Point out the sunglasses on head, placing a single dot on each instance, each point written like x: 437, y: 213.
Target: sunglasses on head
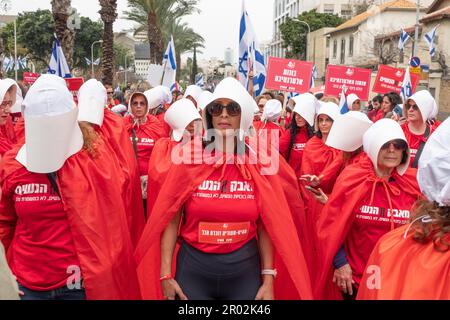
x: 233, y: 109
x: 398, y: 144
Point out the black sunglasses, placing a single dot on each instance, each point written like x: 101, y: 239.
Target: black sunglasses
x: 216, y: 109
x: 398, y: 144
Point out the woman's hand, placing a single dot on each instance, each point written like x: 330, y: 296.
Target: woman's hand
x: 343, y: 279
x: 265, y: 292
x: 171, y: 289
x: 318, y: 194
x: 312, y: 180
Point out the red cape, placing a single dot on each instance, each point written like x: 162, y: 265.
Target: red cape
x: 335, y: 220
x: 273, y: 201
x: 153, y: 127
x: 421, y: 273
x: 116, y: 135
x: 98, y: 221
x: 7, y: 136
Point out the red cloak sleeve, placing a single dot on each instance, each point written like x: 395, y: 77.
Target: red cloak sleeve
x: 275, y: 213
x: 337, y: 216
x: 7, y: 136
x: 402, y: 268
x: 116, y: 135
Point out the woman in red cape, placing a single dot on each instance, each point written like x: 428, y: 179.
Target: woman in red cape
x: 185, y: 122
x: 98, y: 224
x: 355, y: 214
x: 7, y: 100
x: 413, y: 262
x: 278, y: 219
x: 93, y: 116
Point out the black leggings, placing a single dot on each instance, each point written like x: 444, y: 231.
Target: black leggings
x: 232, y: 276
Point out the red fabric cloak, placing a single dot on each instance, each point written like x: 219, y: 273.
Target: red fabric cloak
x: 335, y: 220
x: 98, y: 221
x: 7, y: 136
x: 406, y: 269
x: 272, y: 196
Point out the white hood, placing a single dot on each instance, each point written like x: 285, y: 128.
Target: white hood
x: 131, y: 99
x: 348, y: 130
x: 17, y: 98
x: 426, y: 103
x: 330, y: 109
x: 230, y: 88
x: 379, y: 133
x: 157, y: 96
x: 204, y: 99
x: 272, y: 111
x: 92, y: 99
x: 194, y: 91
x: 52, y: 134
x: 179, y: 116
x: 434, y: 166
x: 306, y: 105
x: 351, y: 98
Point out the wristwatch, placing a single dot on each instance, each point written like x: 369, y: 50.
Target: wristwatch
x: 270, y: 272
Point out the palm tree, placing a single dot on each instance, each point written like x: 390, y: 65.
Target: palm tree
x: 61, y: 13
x: 185, y: 40
x: 155, y: 16
x: 108, y: 13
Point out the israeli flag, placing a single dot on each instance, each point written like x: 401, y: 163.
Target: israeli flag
x: 6, y: 65
x: 170, y: 65
x: 406, y: 90
x: 22, y: 62
x: 404, y: 37
x: 313, y: 77
x: 58, y: 64
x: 89, y: 62
x: 343, y: 102
x: 250, y: 56
x: 199, y: 80
x: 430, y: 37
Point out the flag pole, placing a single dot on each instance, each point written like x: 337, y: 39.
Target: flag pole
x: 15, y: 49
x: 416, y: 35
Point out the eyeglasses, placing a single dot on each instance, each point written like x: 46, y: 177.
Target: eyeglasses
x: 110, y: 92
x: 233, y: 109
x: 398, y: 144
x: 138, y: 103
x: 414, y: 107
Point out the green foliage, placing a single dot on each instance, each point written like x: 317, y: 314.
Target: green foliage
x: 120, y: 53
x: 294, y: 33
x: 89, y: 32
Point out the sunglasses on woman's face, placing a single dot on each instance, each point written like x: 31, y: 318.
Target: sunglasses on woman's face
x: 398, y: 145
x: 414, y: 107
x: 233, y: 109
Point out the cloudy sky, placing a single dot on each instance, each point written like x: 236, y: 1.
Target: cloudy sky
x: 218, y: 22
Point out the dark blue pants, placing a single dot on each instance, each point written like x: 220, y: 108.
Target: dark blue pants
x: 63, y: 293
x: 232, y: 276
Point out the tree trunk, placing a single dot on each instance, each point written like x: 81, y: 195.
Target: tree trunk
x: 108, y: 13
x: 61, y: 13
x: 194, y: 66
x: 155, y: 39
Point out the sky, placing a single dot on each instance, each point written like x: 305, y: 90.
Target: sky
x: 218, y: 21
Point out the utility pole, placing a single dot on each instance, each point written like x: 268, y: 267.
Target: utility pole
x: 416, y: 36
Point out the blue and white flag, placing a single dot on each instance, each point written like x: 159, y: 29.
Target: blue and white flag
x: 21, y: 63
x: 8, y: 63
x: 343, y: 102
x: 313, y: 76
x: 200, y: 80
x: 88, y: 61
x: 430, y: 38
x: 58, y: 64
x: 404, y: 37
x: 406, y: 90
x: 250, y: 56
x: 170, y: 65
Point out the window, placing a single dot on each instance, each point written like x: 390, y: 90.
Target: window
x: 328, y: 42
x: 342, y: 51
x: 328, y: 8
x: 346, y: 10
x: 334, y: 48
x: 350, y: 46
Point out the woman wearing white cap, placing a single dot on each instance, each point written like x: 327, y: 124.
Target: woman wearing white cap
x: 60, y: 222
x: 369, y: 199
x: 96, y: 120
x: 269, y: 119
x: 293, y: 141
x: 193, y: 93
x: 418, y: 109
x: 144, y: 130
x: 317, y: 154
x: 221, y: 256
x: 353, y: 102
x: 159, y: 100
x: 185, y: 122
x: 8, y: 89
x: 413, y: 261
